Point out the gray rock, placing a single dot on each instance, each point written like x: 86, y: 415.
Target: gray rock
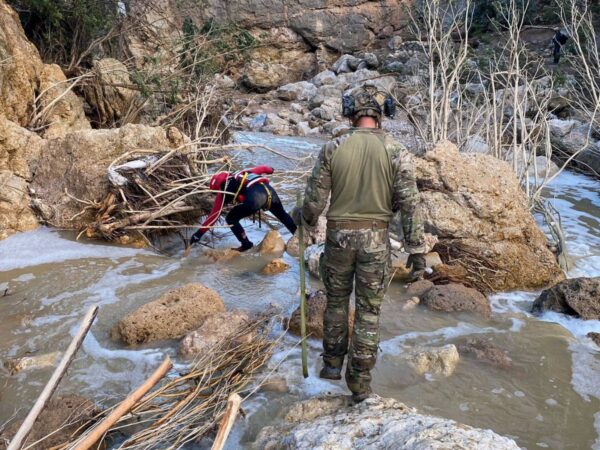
x: 316, y: 101
x: 330, y: 91
x: 322, y: 113
x: 371, y: 60
x: 302, y: 90
x: 326, y: 77
x: 340, y: 129
x: 476, y: 144
x: 377, y: 423
x: 345, y: 64
x: 258, y: 121
x: 395, y: 43
x: 578, y: 297
x: 561, y: 128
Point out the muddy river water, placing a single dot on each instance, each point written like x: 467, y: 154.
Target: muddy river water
x: 550, y: 398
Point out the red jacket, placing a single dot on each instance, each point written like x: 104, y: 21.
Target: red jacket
x: 217, y: 182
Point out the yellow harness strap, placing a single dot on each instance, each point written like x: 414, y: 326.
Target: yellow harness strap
x: 269, y: 197
x: 241, y: 186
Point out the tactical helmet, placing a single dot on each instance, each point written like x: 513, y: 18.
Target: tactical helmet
x: 368, y: 100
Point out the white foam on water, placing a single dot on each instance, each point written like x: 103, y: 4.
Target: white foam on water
x: 577, y: 327
x: 596, y: 445
x: 394, y: 345
x: 104, y: 291
x: 44, y: 246
x: 96, y: 375
x: 586, y: 371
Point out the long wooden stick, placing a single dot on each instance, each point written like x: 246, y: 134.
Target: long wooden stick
x: 95, y: 434
x: 17, y: 442
x: 302, y: 294
x: 233, y: 406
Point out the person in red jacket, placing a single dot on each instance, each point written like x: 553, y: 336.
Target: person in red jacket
x: 251, y: 192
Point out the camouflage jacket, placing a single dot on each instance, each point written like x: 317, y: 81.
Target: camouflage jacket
x: 369, y: 175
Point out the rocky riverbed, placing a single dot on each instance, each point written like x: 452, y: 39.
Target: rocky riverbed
x: 546, y: 395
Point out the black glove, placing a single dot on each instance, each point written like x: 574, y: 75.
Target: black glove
x: 419, y: 264
x: 196, y: 237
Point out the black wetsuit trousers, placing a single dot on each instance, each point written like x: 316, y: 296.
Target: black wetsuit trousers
x: 256, y: 199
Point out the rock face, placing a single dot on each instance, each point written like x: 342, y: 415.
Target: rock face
x: 21, y: 66
x: 62, y: 416
x: 77, y: 163
x: 344, y: 26
x: 171, y: 316
x: 376, y: 423
x: 19, y: 153
x: 475, y: 206
x: 578, y: 297
x: 215, y: 328
x: 64, y: 110
x: 456, y: 297
x: 316, y: 303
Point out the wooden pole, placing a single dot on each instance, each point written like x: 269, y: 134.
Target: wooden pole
x: 302, y: 293
x: 17, y: 442
x: 95, y: 434
x: 233, y: 406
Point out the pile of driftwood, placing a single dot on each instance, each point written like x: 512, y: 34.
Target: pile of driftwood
x: 171, y: 409
x: 188, y: 407
x: 155, y: 190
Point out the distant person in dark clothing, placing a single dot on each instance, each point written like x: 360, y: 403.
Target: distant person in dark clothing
x: 560, y: 38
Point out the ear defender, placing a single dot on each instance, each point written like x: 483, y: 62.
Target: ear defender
x: 348, y: 106
x: 389, y: 106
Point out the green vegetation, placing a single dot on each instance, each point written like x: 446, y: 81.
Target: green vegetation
x: 213, y: 47
x: 63, y: 30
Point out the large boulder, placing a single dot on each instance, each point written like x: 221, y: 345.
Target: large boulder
x: 71, y: 173
x: 376, y: 423
x: 62, y: 110
x: 216, y: 328
x: 316, y: 303
x: 21, y: 67
x: 263, y: 77
x: 456, y: 298
x: 474, y: 204
x: 171, y: 316
x: 108, y: 94
x: 60, y: 420
x: 19, y: 154
x: 579, y: 297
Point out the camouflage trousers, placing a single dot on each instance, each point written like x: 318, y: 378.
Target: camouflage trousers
x: 360, y: 258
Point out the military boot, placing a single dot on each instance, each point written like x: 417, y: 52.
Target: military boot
x: 358, y: 397
x: 331, y: 373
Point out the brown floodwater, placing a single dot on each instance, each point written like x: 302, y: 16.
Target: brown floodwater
x: 548, y: 399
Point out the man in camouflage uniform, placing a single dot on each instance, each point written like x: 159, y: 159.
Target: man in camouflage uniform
x: 370, y: 178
